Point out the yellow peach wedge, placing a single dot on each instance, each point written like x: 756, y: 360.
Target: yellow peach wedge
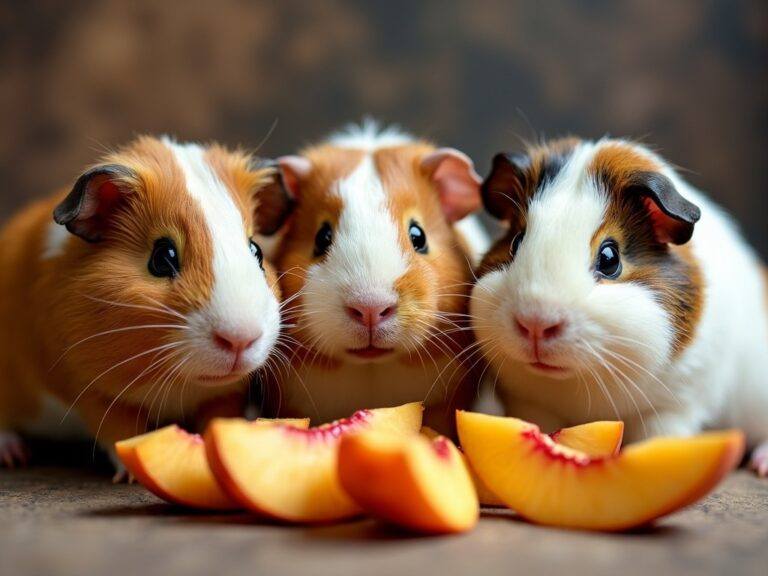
x: 552, y: 484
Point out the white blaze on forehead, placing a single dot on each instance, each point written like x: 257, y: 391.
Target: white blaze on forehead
x: 240, y: 292
x: 555, y: 255
x: 366, y: 253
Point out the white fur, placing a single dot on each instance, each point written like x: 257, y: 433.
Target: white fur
x: 56, y: 238
x: 241, y: 302
x: 477, y: 237
x: 718, y: 380
x: 362, y: 266
x: 369, y: 136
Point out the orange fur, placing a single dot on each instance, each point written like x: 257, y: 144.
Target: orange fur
x: 437, y: 282
x: 49, y: 305
x: 671, y: 271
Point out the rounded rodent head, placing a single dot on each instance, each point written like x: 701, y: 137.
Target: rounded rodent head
x: 593, y: 274
x: 165, y: 282
x: 370, y: 259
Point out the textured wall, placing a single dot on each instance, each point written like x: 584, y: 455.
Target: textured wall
x: 688, y: 77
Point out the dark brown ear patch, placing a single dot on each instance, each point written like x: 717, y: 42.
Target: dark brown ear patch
x: 275, y: 204
x: 87, y: 209
x: 516, y: 177
x: 673, y: 217
x: 504, y: 189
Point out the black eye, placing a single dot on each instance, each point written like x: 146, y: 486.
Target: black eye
x: 323, y: 239
x: 516, y: 243
x: 418, y: 238
x: 608, y: 263
x: 257, y: 253
x: 164, y: 262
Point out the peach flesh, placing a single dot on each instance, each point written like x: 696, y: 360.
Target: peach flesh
x: 421, y: 484
x: 555, y: 485
x: 288, y: 474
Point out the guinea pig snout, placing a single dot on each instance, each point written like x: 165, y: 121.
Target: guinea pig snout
x: 235, y: 341
x: 536, y: 328
x: 371, y: 314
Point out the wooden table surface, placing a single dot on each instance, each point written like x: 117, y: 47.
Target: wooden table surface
x: 70, y: 521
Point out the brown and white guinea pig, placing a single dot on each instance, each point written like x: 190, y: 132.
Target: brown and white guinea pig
x: 377, y: 275
x: 146, y: 300
x: 620, y: 291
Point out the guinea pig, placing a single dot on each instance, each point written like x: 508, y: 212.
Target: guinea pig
x: 377, y: 276
x: 144, y: 299
x: 620, y: 291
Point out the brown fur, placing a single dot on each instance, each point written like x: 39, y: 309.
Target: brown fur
x: 49, y: 305
x: 544, y: 162
x: 670, y: 271
x: 435, y: 282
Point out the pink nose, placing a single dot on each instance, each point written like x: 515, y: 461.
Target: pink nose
x: 536, y: 328
x: 235, y: 342
x: 371, y: 315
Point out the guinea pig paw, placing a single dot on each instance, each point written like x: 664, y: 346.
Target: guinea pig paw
x: 121, y: 476
x: 759, y: 460
x: 13, y: 450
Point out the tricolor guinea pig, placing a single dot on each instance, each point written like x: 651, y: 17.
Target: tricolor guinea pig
x: 376, y: 275
x: 138, y: 297
x: 620, y: 291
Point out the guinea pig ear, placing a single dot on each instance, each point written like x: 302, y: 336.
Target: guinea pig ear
x: 293, y: 170
x: 88, y: 208
x: 277, y: 199
x: 273, y: 202
x: 458, y: 185
x: 503, y: 190
x: 673, y: 216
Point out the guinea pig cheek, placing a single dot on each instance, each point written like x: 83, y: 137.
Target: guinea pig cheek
x: 625, y: 325
x: 418, y: 303
x: 491, y: 307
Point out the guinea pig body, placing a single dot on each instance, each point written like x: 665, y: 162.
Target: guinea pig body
x: 620, y: 291
x: 145, y: 301
x: 376, y: 275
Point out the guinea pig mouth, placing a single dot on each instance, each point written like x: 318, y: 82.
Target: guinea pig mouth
x: 548, y: 368
x: 370, y: 352
x: 221, y: 379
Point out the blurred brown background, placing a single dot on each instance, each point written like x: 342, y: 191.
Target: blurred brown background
x: 689, y: 77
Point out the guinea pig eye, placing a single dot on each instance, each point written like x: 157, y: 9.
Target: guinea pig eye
x: 516, y: 243
x: 418, y: 237
x: 323, y: 239
x: 164, y: 261
x: 608, y: 263
x: 257, y: 253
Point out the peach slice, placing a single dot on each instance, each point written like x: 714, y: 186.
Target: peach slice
x: 290, y: 474
x: 171, y: 463
x: 552, y: 484
x: 415, y: 482
x: 595, y: 439
x: 601, y: 438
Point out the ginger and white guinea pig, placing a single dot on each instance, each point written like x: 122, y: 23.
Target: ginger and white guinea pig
x: 145, y: 301
x: 619, y: 291
x: 376, y: 276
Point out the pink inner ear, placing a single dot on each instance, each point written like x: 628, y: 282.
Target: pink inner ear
x: 294, y: 170
x: 664, y: 227
x: 101, y: 197
x: 456, y: 180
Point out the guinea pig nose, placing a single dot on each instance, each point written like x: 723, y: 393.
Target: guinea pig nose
x: 537, y: 328
x: 235, y: 341
x: 371, y: 315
